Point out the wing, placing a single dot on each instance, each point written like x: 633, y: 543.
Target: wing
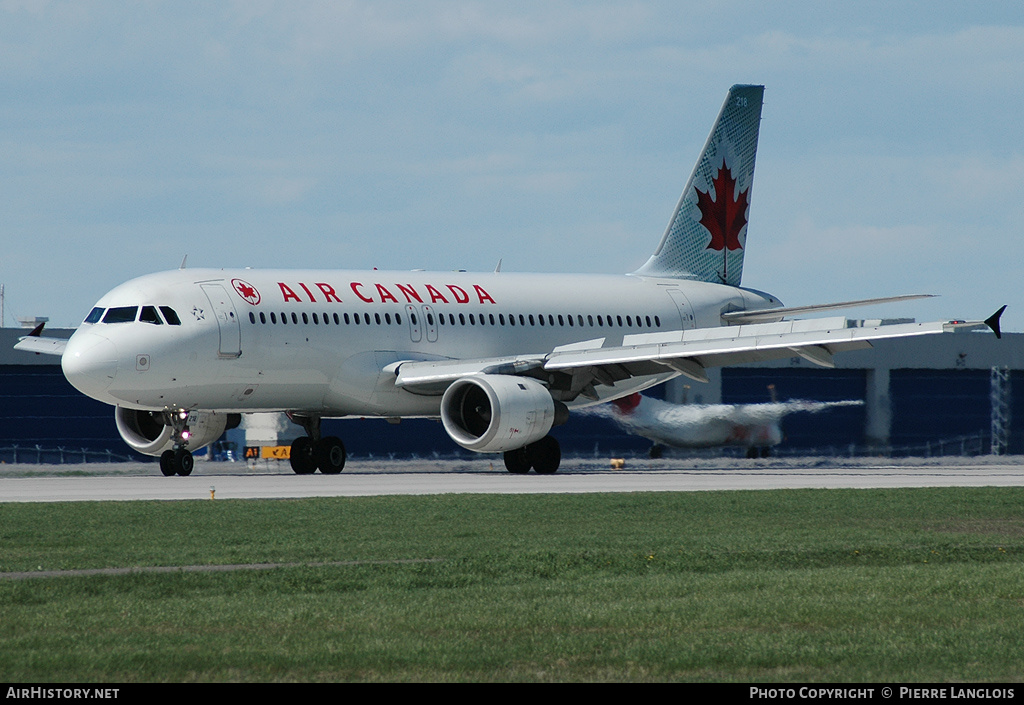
x: 578, y: 369
x: 35, y: 342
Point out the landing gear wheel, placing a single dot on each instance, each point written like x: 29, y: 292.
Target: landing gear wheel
x: 546, y: 455
x: 517, y: 461
x: 330, y: 455
x: 167, y: 463
x: 176, y: 462
x: 183, y: 462
x: 303, y: 456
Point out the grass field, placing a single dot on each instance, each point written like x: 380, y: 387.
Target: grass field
x: 810, y: 585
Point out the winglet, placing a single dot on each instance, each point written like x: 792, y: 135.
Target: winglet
x: 993, y: 321
x: 37, y: 332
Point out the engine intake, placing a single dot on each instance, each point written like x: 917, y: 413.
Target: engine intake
x: 497, y: 413
x: 146, y: 432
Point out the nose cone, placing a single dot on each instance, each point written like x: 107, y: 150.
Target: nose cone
x: 90, y: 363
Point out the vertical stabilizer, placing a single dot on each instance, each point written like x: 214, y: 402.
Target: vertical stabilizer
x: 707, y: 235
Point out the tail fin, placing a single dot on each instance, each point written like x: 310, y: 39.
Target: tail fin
x: 707, y: 235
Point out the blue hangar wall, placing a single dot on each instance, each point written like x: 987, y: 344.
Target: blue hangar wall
x: 934, y: 388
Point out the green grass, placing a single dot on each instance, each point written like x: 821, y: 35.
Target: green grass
x: 810, y: 585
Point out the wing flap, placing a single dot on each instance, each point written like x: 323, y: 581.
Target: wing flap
x: 746, y: 344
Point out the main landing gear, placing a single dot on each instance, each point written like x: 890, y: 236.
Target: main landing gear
x: 310, y: 452
x: 543, y: 456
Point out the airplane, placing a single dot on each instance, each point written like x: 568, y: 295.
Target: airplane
x: 501, y: 358
x: 756, y: 427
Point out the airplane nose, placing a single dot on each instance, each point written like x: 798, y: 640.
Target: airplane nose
x: 90, y: 363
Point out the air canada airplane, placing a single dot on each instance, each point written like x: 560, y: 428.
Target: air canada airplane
x: 756, y: 427
x: 500, y: 358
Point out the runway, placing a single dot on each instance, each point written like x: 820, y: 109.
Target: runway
x: 236, y: 481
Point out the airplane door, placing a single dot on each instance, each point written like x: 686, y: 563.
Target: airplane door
x: 227, y: 320
x: 430, y: 319
x: 685, y: 309
x: 415, y: 329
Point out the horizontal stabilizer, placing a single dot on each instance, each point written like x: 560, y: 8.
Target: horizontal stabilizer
x: 41, y: 346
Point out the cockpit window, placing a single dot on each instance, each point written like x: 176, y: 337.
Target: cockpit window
x: 95, y: 315
x: 170, y: 315
x: 121, y: 314
x: 149, y: 315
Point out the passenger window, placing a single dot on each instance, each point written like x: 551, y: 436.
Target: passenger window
x: 94, y: 316
x: 149, y: 315
x: 170, y: 316
x: 122, y: 314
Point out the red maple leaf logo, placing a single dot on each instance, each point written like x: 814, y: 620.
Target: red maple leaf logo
x: 246, y: 290
x: 725, y: 217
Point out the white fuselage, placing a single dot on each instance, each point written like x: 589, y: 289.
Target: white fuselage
x: 318, y: 341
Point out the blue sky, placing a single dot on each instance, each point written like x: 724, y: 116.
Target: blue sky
x: 555, y: 136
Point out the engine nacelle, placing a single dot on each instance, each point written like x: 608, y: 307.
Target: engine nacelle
x: 496, y: 413
x: 146, y: 432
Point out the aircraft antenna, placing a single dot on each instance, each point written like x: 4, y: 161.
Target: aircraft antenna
x: 183, y: 260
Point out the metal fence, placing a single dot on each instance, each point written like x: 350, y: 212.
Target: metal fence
x: 58, y: 456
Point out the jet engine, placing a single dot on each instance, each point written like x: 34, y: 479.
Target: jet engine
x: 146, y: 432
x: 497, y: 413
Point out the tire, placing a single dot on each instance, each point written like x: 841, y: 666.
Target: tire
x: 303, y: 456
x: 167, y: 463
x: 183, y: 462
x: 330, y: 455
x: 517, y: 461
x: 546, y: 455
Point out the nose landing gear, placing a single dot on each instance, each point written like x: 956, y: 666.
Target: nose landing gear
x: 179, y: 460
